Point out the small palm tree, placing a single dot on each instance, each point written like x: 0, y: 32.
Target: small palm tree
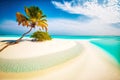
x: 34, y: 17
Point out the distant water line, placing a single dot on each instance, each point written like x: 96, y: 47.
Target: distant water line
x: 67, y: 37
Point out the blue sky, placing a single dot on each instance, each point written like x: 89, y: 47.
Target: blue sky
x: 10, y: 7
x: 65, y: 17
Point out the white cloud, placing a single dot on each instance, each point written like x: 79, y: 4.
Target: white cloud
x: 108, y: 11
x: 103, y: 14
x: 71, y: 27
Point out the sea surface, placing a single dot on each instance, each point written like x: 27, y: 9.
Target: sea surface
x: 111, y: 44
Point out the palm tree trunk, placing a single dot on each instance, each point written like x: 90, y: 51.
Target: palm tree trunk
x: 18, y: 40
x: 23, y: 36
x: 6, y: 46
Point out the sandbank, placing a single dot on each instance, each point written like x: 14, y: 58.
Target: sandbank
x: 91, y: 63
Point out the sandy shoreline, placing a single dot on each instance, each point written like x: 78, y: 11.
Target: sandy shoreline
x: 35, y: 49
x: 92, y: 64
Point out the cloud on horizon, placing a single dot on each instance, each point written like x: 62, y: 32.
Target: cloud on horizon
x: 10, y: 27
x: 63, y: 27
x: 72, y: 27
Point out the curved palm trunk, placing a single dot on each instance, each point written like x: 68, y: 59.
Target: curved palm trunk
x: 23, y: 36
x: 18, y: 40
x: 6, y: 46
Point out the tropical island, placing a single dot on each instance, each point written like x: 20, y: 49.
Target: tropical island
x: 43, y: 57
x: 34, y: 18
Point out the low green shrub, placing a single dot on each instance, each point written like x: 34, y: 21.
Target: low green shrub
x: 41, y: 36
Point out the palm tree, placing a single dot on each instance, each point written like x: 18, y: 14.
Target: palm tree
x: 34, y: 17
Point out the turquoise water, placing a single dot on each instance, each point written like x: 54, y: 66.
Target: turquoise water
x: 70, y: 37
x: 111, y: 44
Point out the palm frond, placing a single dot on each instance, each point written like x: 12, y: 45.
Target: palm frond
x: 27, y: 11
x: 21, y: 19
x: 43, y: 17
x: 44, y: 20
x: 43, y: 25
x: 34, y: 16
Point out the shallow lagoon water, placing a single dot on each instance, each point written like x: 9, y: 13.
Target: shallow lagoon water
x: 112, y: 46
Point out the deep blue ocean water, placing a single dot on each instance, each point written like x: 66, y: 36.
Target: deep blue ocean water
x: 111, y: 44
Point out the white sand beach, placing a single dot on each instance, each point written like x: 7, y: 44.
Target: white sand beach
x: 91, y: 63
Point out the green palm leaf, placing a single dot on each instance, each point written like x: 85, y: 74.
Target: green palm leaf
x: 34, y: 17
